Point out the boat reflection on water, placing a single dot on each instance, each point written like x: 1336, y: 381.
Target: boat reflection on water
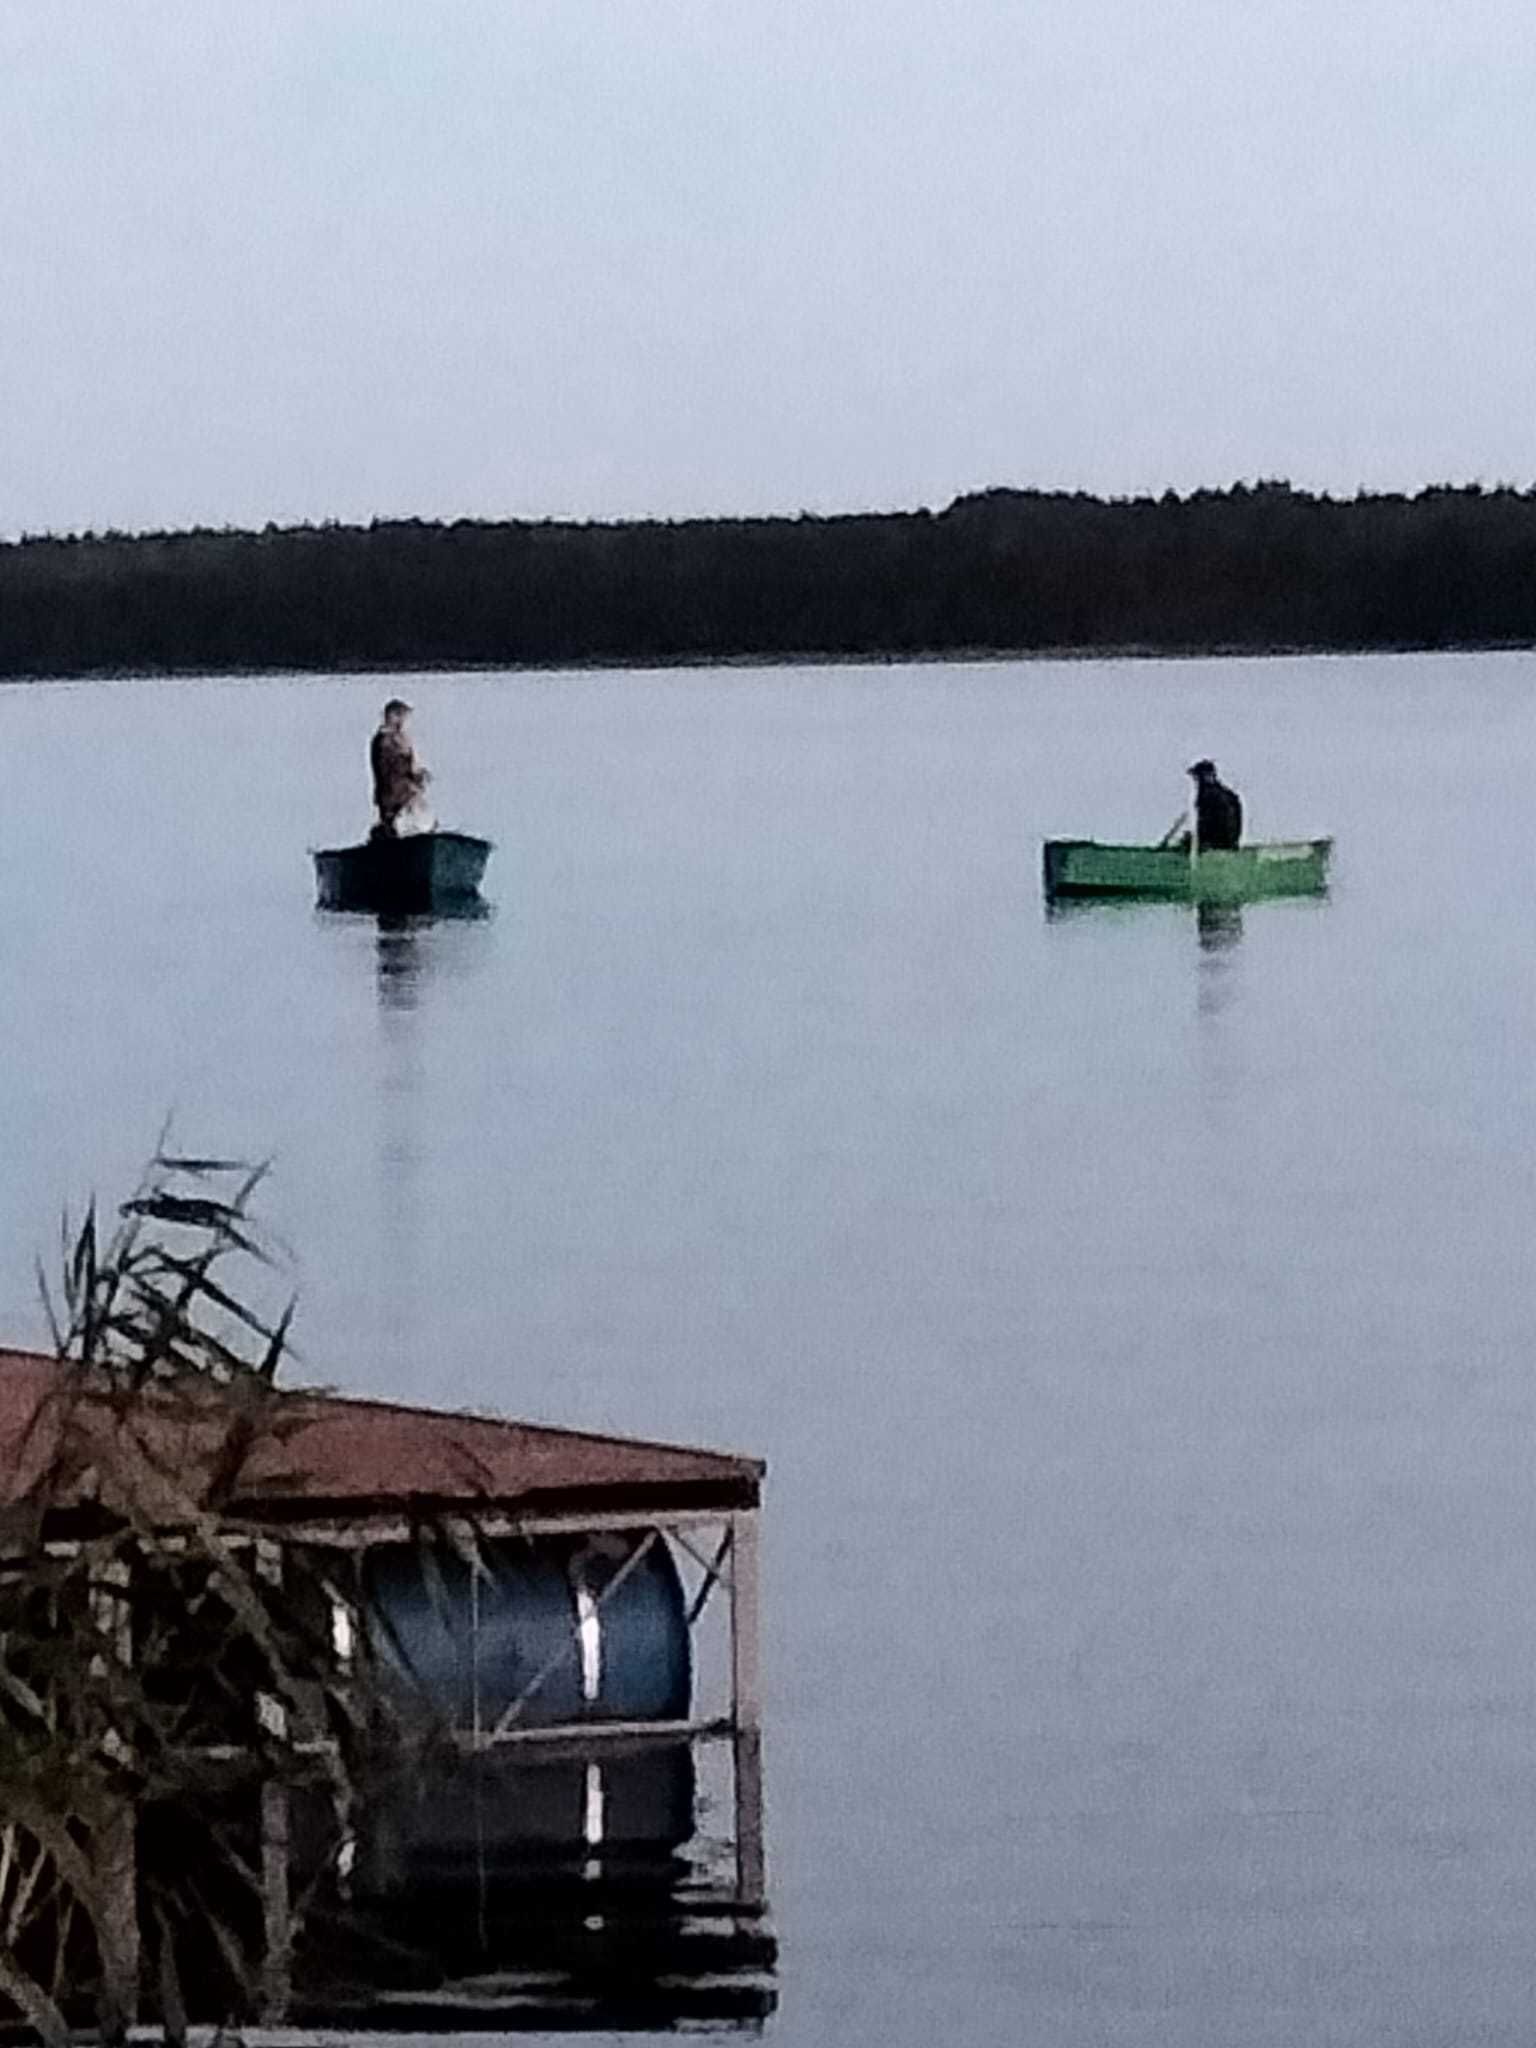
x: 1218, y: 935
x: 1218, y: 926
x: 408, y: 949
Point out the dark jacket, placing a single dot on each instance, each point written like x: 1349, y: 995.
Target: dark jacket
x: 1219, y: 812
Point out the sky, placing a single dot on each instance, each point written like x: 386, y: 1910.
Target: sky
x: 307, y: 259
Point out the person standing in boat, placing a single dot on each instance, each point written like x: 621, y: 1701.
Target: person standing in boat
x: 399, y: 780
x: 1218, y: 814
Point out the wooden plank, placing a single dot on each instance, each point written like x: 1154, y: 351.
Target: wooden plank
x: 579, y: 1736
x: 587, y: 1735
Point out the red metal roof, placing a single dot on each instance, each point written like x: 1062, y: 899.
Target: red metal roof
x: 316, y: 1453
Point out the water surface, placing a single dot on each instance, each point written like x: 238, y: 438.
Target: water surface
x: 1136, y: 1318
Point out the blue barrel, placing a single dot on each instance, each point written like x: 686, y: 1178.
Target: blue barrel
x: 534, y: 1614
x: 469, y: 1644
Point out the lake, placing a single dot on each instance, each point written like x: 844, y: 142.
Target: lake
x: 1137, y: 1320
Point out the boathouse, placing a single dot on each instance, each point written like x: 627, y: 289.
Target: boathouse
x: 582, y: 1609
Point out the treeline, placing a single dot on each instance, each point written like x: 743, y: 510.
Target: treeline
x: 1250, y: 568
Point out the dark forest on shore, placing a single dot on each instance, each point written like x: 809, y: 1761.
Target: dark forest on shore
x: 1253, y: 568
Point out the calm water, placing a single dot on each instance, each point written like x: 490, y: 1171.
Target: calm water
x: 1140, y: 1330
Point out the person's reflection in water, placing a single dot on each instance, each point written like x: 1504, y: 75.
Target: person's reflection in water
x: 1219, y: 932
x: 398, y: 961
x: 402, y: 963
x: 410, y: 951
x: 413, y: 956
x: 1220, y: 926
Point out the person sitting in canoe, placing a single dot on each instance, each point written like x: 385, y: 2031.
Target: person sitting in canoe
x: 399, y: 780
x: 1218, y: 814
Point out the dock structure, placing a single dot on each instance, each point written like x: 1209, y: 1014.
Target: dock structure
x: 622, y: 1530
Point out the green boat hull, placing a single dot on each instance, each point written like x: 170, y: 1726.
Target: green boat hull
x: 420, y: 873
x: 1281, y: 867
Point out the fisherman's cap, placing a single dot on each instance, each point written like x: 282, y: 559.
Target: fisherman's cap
x: 1201, y: 768
x: 396, y: 704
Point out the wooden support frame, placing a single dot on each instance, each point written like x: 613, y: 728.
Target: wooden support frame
x: 735, y: 1566
x: 722, y: 1547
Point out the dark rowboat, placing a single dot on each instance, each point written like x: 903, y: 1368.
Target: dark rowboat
x: 424, y: 871
x: 1276, y: 867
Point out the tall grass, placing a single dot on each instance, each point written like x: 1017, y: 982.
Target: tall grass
x: 161, y: 1677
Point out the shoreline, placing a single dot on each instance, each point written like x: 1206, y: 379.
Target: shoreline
x: 961, y: 657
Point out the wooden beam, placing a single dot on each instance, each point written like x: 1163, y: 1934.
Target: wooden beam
x: 579, y: 1737
x: 746, y: 1709
x: 713, y: 1569
x: 361, y: 1534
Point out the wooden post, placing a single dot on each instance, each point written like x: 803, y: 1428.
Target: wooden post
x: 746, y: 1710
x: 117, y: 1935
x: 276, y: 1906
x: 276, y: 1899
x: 117, y: 1845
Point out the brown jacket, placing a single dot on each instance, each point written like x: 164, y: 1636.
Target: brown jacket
x: 397, y: 775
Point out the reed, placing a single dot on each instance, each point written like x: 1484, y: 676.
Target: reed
x: 160, y: 1680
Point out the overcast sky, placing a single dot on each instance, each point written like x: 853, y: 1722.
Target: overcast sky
x: 289, y: 259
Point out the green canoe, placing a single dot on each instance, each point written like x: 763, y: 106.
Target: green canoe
x: 1275, y: 867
